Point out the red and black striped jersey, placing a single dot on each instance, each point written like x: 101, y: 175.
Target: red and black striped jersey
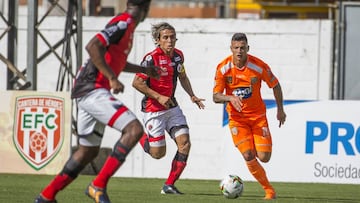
x: 170, y: 67
x: 117, y: 37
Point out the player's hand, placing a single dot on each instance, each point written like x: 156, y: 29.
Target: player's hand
x: 116, y: 86
x: 153, y: 71
x: 281, y: 116
x: 166, y: 102
x: 236, y: 101
x: 198, y: 102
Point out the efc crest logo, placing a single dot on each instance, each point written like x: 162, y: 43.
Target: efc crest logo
x: 38, y: 129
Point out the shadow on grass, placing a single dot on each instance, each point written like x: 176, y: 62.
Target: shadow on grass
x: 247, y: 197
x: 315, y: 199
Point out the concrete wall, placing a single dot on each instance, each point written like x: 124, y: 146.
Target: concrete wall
x: 299, y: 52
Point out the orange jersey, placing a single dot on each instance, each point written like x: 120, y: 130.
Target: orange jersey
x: 244, y: 82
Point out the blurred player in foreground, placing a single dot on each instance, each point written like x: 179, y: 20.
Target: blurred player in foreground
x: 161, y: 110
x: 97, y: 107
x: 240, y: 76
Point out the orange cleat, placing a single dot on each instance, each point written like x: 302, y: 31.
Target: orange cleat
x: 270, y: 194
x: 97, y: 194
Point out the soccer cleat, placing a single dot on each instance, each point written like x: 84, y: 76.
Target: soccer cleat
x: 270, y: 194
x: 97, y: 194
x: 40, y: 199
x: 170, y: 189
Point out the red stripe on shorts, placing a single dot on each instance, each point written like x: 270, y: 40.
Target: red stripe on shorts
x: 155, y: 139
x: 119, y: 112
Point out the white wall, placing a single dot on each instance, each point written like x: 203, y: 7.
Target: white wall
x: 299, y: 52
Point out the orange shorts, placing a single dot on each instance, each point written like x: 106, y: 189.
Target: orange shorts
x: 251, y: 133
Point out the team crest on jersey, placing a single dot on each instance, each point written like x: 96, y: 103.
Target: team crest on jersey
x: 253, y: 80
x: 229, y: 80
x: 38, y: 129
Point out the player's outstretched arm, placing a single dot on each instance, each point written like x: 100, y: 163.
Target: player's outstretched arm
x: 185, y: 83
x: 198, y: 101
x: 151, y: 71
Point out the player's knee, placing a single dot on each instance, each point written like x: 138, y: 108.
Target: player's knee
x: 134, y: 128
x: 264, y: 156
x: 86, y: 154
x: 79, y: 159
x: 120, y: 151
x: 249, y: 155
x: 157, y: 153
x: 184, y: 147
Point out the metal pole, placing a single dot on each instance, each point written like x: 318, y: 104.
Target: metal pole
x: 32, y: 43
x: 79, y: 29
x: 12, y: 41
x: 340, y: 63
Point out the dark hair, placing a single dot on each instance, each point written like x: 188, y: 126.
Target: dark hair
x: 239, y: 37
x: 138, y: 2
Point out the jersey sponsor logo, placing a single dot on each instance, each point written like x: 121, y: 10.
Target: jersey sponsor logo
x: 148, y: 58
x: 177, y: 58
x: 122, y: 25
x: 109, y: 31
x: 38, y: 129
x: 163, y: 61
x: 244, y: 92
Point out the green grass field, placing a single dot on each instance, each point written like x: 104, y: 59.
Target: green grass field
x: 24, y: 188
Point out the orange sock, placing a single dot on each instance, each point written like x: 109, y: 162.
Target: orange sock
x: 259, y: 174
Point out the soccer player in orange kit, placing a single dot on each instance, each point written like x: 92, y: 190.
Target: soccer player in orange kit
x: 240, y: 75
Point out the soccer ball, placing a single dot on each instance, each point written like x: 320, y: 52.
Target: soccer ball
x: 231, y: 186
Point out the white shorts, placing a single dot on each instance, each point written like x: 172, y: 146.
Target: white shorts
x: 172, y: 121
x: 97, y: 109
